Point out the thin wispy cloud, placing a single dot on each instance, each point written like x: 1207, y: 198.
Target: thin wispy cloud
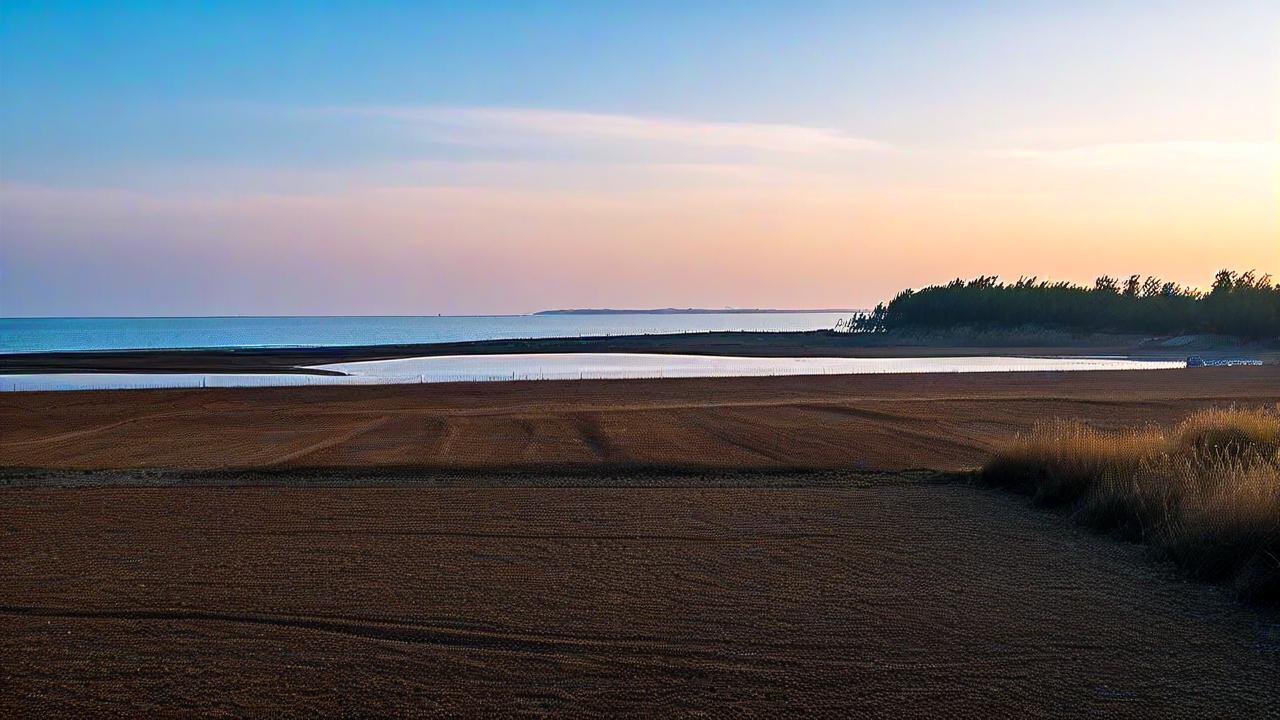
x: 482, y: 125
x: 1135, y: 153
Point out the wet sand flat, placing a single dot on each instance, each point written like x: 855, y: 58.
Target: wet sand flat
x: 939, y: 421
x: 901, y: 598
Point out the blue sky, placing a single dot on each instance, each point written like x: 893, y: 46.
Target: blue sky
x: 136, y: 137
x: 226, y: 82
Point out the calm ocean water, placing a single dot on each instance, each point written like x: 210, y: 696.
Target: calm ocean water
x: 50, y: 334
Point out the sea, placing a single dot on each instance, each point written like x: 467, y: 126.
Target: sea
x: 150, y: 333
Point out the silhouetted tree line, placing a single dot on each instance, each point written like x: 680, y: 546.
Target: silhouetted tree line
x: 1243, y: 304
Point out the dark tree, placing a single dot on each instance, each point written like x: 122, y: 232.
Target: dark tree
x: 1241, y: 304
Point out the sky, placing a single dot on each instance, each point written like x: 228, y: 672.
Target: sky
x: 263, y: 158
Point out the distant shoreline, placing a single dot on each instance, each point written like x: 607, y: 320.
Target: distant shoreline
x: 696, y: 311
x: 816, y: 343
x: 556, y: 311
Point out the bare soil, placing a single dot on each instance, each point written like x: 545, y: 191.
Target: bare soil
x: 893, y: 597
x: 523, y: 549
x: 887, y: 422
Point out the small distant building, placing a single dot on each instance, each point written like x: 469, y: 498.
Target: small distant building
x: 1197, y: 361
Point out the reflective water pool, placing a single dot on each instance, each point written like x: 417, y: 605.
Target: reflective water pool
x: 573, y: 366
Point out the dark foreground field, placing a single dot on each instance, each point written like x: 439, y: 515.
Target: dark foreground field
x: 842, y: 595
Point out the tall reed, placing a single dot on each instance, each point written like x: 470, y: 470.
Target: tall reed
x: 1205, y: 493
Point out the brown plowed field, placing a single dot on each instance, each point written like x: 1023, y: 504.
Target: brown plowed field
x: 894, y: 599
x: 361, y: 583
x: 873, y: 421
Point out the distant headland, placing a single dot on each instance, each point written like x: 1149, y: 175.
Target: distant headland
x: 692, y: 311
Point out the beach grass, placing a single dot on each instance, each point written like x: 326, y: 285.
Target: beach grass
x: 1204, y: 493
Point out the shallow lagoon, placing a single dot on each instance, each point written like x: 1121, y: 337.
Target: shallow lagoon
x: 573, y: 366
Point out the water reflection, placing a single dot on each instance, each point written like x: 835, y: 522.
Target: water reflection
x: 574, y: 366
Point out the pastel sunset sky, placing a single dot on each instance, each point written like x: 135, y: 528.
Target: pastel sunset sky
x: 183, y: 158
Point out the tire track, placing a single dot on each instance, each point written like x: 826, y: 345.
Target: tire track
x: 330, y: 441
x: 358, y: 627
x: 86, y: 432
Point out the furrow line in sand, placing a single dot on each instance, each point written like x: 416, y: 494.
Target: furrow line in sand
x: 634, y: 537
x: 331, y: 441
x: 853, y: 402
x: 75, y: 434
x: 743, y: 656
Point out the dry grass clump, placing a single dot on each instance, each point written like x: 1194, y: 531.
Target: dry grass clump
x: 1206, y: 493
x: 1232, y: 431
